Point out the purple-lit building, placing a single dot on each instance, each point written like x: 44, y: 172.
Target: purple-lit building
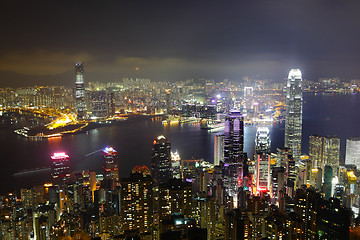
x: 60, y: 168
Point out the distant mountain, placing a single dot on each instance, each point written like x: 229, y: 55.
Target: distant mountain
x: 15, y: 80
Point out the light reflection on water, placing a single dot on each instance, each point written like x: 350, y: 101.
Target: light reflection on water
x: 323, y: 115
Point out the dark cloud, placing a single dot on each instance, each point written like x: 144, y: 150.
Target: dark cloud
x: 173, y: 40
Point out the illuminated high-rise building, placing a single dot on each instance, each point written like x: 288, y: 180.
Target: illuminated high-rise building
x: 137, y: 200
x: 293, y: 117
x: 234, y: 159
x: 80, y: 105
x: 353, y: 152
x: 60, y: 166
x: 248, y: 91
x: 286, y: 161
x: 233, y: 136
x: 291, y: 175
x: 262, y: 140
x: 111, y: 166
x: 262, y: 154
x: 111, y: 104
x: 218, y: 149
x: 277, y: 184
x: 98, y: 104
x: 324, y: 151
x: 176, y: 164
x: 161, y: 169
x: 332, y: 152
x: 283, y: 155
x: 316, y: 144
x: 175, y: 196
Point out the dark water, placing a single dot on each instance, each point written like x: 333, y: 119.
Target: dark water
x: 323, y: 115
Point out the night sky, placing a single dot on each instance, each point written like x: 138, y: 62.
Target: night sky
x: 175, y: 40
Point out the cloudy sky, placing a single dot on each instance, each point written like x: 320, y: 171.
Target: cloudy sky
x: 175, y: 40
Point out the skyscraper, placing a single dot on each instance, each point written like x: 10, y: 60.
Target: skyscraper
x: 316, y: 144
x: 293, y: 117
x: 111, y: 166
x: 233, y: 136
x: 262, y: 140
x: 286, y: 161
x: 176, y: 164
x: 175, y: 196
x: 98, y: 104
x: 233, y: 168
x: 161, y: 160
x: 332, y: 152
x: 324, y: 151
x: 137, y: 200
x: 218, y: 149
x: 80, y: 105
x: 353, y: 151
x: 262, y: 150
x: 60, y: 165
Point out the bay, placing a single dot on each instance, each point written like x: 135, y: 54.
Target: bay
x: 322, y: 114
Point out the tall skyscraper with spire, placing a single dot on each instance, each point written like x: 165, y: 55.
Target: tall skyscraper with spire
x: 293, y: 117
x: 80, y: 105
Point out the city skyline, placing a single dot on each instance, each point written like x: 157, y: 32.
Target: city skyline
x: 176, y: 41
x: 182, y: 195
x: 178, y: 121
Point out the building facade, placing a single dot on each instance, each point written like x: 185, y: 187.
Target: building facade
x: 111, y: 166
x: 262, y: 158
x: 218, y: 149
x: 161, y: 169
x: 233, y: 167
x: 293, y: 117
x: 137, y: 201
x: 353, y: 152
x: 80, y: 104
x: 60, y: 166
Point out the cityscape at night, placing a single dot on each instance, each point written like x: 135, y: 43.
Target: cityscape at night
x: 141, y: 120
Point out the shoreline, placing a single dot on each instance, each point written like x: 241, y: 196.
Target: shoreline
x: 72, y: 129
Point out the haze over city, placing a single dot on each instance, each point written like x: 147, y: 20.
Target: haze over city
x: 177, y: 40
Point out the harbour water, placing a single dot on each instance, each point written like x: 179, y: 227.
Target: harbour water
x: 322, y: 114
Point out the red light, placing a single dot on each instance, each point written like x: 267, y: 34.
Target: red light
x: 262, y: 189
x: 60, y: 156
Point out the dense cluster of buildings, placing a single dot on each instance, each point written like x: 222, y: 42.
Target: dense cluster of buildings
x: 259, y: 100
x: 282, y: 195
x: 332, y: 85
x: 191, y: 98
